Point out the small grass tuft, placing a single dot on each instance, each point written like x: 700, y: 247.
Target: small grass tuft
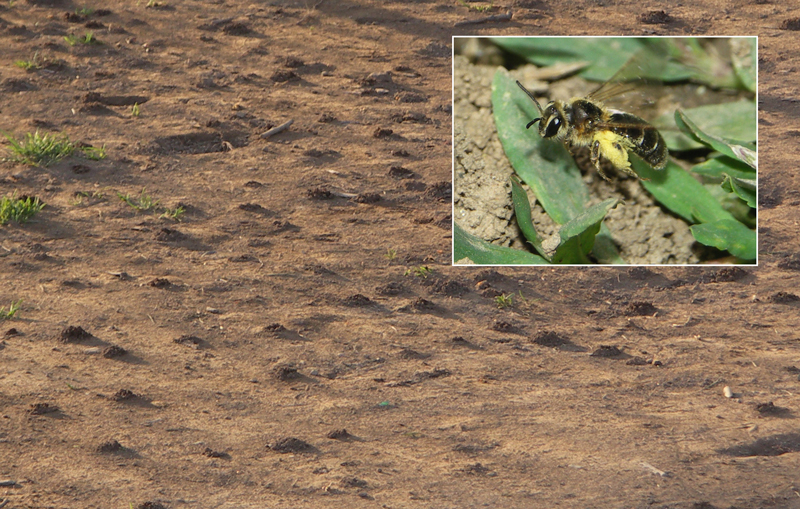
x: 135, y: 110
x: 504, y: 301
x: 46, y: 149
x: 35, y: 63
x: 89, y: 38
x: 391, y: 254
x: 421, y: 271
x: 143, y: 203
x: 40, y: 149
x: 175, y: 214
x: 12, y: 310
x: 94, y: 153
x: 84, y: 11
x: 18, y: 209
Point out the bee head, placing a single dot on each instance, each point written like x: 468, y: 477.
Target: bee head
x: 553, y: 122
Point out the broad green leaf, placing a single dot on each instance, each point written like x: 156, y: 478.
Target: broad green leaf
x: 724, y: 146
x: 743, y: 188
x: 546, y: 166
x: 728, y: 235
x: 483, y: 253
x: 653, y: 58
x: 743, y: 58
x: 716, y: 167
x: 606, y: 54
x: 522, y: 210
x: 734, y: 120
x: 578, y: 235
x: 649, y: 58
x: 676, y: 189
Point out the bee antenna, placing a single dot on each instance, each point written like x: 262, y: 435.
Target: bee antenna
x: 538, y: 106
x: 532, y: 122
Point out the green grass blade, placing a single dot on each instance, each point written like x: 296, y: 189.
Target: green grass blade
x: 677, y: 190
x: 732, y: 149
x: 743, y: 58
x: 733, y: 120
x: 483, y: 253
x: 743, y: 188
x: 522, y: 210
x: 728, y: 235
x: 546, y: 166
x: 719, y: 166
x: 578, y: 235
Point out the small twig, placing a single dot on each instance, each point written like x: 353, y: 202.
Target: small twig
x: 3, y: 503
x: 276, y: 130
x: 8, y: 483
x: 489, y: 19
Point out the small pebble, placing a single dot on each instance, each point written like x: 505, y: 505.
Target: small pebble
x: 93, y: 351
x: 727, y: 392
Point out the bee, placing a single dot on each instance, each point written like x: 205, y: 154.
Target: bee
x: 613, y: 134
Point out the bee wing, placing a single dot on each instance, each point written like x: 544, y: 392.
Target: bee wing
x: 608, y: 90
x: 631, y: 75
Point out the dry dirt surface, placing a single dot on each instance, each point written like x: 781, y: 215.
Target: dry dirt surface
x: 299, y: 339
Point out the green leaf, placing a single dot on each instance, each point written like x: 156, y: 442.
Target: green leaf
x: 743, y: 188
x: 733, y: 120
x: 728, y: 235
x: 483, y: 253
x: 522, y: 211
x: 676, y: 189
x: 547, y: 167
x: 607, y: 55
x: 721, y: 165
x: 743, y: 58
x: 578, y: 235
x: 727, y: 147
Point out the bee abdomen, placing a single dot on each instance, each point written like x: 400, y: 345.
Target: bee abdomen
x: 645, y: 139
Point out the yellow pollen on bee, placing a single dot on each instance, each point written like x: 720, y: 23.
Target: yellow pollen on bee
x: 614, y: 148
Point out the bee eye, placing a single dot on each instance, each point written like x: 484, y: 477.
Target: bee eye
x: 552, y: 128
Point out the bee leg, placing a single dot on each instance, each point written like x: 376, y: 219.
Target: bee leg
x: 595, y: 158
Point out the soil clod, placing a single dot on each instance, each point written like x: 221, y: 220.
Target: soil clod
x: 109, y: 447
x: 381, y: 132
x: 357, y: 300
x: 113, y: 351
x: 790, y: 24
x: 771, y: 409
x: 169, y: 235
x: 211, y: 453
x: 188, y: 340
x: 608, y: 351
x: 160, y: 282
x: 290, y: 445
x: 640, y: 309
x: 655, y: 18
x: 123, y: 395
x: 74, y: 334
x: 783, y: 298
x: 42, y: 408
x: 286, y: 373
x: 339, y: 434
x: 319, y: 193
x: 550, y: 339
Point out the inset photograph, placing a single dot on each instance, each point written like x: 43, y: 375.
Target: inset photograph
x: 605, y: 150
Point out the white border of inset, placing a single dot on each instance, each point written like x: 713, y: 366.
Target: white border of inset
x: 453, y: 149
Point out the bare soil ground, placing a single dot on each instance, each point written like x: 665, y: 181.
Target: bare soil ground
x: 272, y: 351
